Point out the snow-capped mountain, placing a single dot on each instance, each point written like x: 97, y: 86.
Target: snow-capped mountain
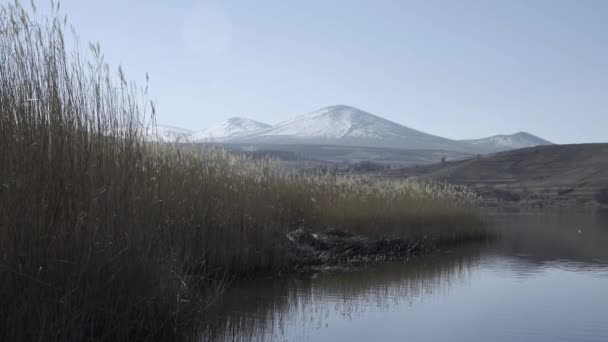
x: 231, y: 128
x: 344, y: 125
x: 164, y: 133
x: 498, y: 143
x: 340, y: 126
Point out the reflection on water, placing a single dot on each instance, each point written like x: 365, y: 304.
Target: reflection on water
x: 545, y: 280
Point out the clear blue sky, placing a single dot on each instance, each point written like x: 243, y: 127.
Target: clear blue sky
x: 459, y: 69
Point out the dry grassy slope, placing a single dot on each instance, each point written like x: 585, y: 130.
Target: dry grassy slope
x: 544, y: 173
x: 335, y: 155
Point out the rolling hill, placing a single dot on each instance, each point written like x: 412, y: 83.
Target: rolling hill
x: 544, y: 174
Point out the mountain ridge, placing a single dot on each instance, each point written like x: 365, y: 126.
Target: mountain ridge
x: 349, y: 126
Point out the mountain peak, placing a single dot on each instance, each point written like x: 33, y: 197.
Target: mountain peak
x: 232, y: 127
x: 238, y: 119
x: 529, y: 136
x: 342, y: 118
x: 340, y: 107
x: 504, y: 142
x: 332, y: 122
x: 167, y: 133
x: 346, y: 125
x: 520, y: 134
x: 341, y: 110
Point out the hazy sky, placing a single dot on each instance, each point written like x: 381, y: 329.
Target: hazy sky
x: 459, y: 69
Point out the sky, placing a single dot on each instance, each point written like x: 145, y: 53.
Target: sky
x: 458, y: 69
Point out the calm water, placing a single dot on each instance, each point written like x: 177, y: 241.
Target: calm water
x: 546, y: 280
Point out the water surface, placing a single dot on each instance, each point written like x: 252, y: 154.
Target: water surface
x: 546, y: 280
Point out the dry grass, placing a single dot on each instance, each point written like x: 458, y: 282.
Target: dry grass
x: 104, y: 236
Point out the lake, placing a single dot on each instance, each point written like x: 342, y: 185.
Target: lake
x: 546, y: 279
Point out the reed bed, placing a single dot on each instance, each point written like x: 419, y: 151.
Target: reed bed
x: 106, y: 236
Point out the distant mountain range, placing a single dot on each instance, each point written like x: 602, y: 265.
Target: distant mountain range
x: 341, y: 126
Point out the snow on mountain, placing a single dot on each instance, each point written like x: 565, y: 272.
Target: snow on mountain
x: 164, y: 133
x: 340, y: 126
x: 344, y: 125
x: 231, y: 128
x: 498, y: 143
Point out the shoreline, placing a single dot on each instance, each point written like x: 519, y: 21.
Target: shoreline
x: 340, y: 250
